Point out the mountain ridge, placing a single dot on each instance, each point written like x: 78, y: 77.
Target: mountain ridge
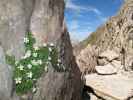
x: 115, y: 34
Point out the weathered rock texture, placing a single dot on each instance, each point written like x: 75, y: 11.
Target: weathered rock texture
x: 64, y: 85
x: 87, y: 59
x: 108, y: 63
x: 45, y: 19
x: 116, y: 34
x: 5, y: 78
x: 13, y: 26
x: 111, y: 87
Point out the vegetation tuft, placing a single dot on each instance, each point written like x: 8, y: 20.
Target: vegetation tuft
x: 35, y: 62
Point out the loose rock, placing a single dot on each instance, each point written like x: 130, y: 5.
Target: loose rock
x: 106, y: 70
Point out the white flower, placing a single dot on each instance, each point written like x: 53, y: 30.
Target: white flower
x: 21, y: 67
x: 63, y: 67
x: 29, y: 75
x: 34, y: 89
x: 18, y: 80
x: 34, y: 62
x: 26, y: 40
x: 44, y: 44
x: 34, y: 79
x: 29, y: 66
x: 39, y: 62
x: 16, y: 63
x: 23, y: 57
x: 49, y: 58
x: 47, y: 62
x: 59, y: 61
x: 51, y: 44
x: 34, y: 54
x: 58, y: 64
x: 46, y: 68
x: 27, y: 54
x: 36, y: 48
x: 50, y: 49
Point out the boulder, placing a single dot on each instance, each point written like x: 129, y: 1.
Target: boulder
x: 102, y: 61
x: 111, y: 87
x: 5, y: 78
x: 117, y: 64
x: 109, y: 55
x: 106, y: 70
x: 87, y: 59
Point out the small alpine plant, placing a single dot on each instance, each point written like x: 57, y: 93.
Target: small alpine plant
x: 33, y: 64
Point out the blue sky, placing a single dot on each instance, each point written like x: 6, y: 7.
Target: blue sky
x: 84, y: 16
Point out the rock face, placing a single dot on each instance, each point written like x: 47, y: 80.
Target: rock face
x: 87, y: 59
x: 13, y: 25
x: 45, y: 19
x: 52, y: 29
x: 61, y: 85
x: 5, y: 78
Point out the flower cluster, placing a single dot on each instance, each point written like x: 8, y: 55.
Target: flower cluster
x: 35, y: 62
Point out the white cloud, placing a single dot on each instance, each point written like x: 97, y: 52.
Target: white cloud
x: 74, y: 25
x: 103, y: 19
x: 78, y: 32
x: 71, y: 5
x: 78, y: 8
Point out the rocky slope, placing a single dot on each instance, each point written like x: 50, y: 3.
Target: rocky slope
x: 116, y: 34
x: 109, y: 51
x: 45, y: 19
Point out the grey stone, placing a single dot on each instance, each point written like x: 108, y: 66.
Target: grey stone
x: 13, y: 26
x: 55, y: 86
x: 47, y: 20
x: 5, y: 78
x: 61, y: 85
x: 14, y: 23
